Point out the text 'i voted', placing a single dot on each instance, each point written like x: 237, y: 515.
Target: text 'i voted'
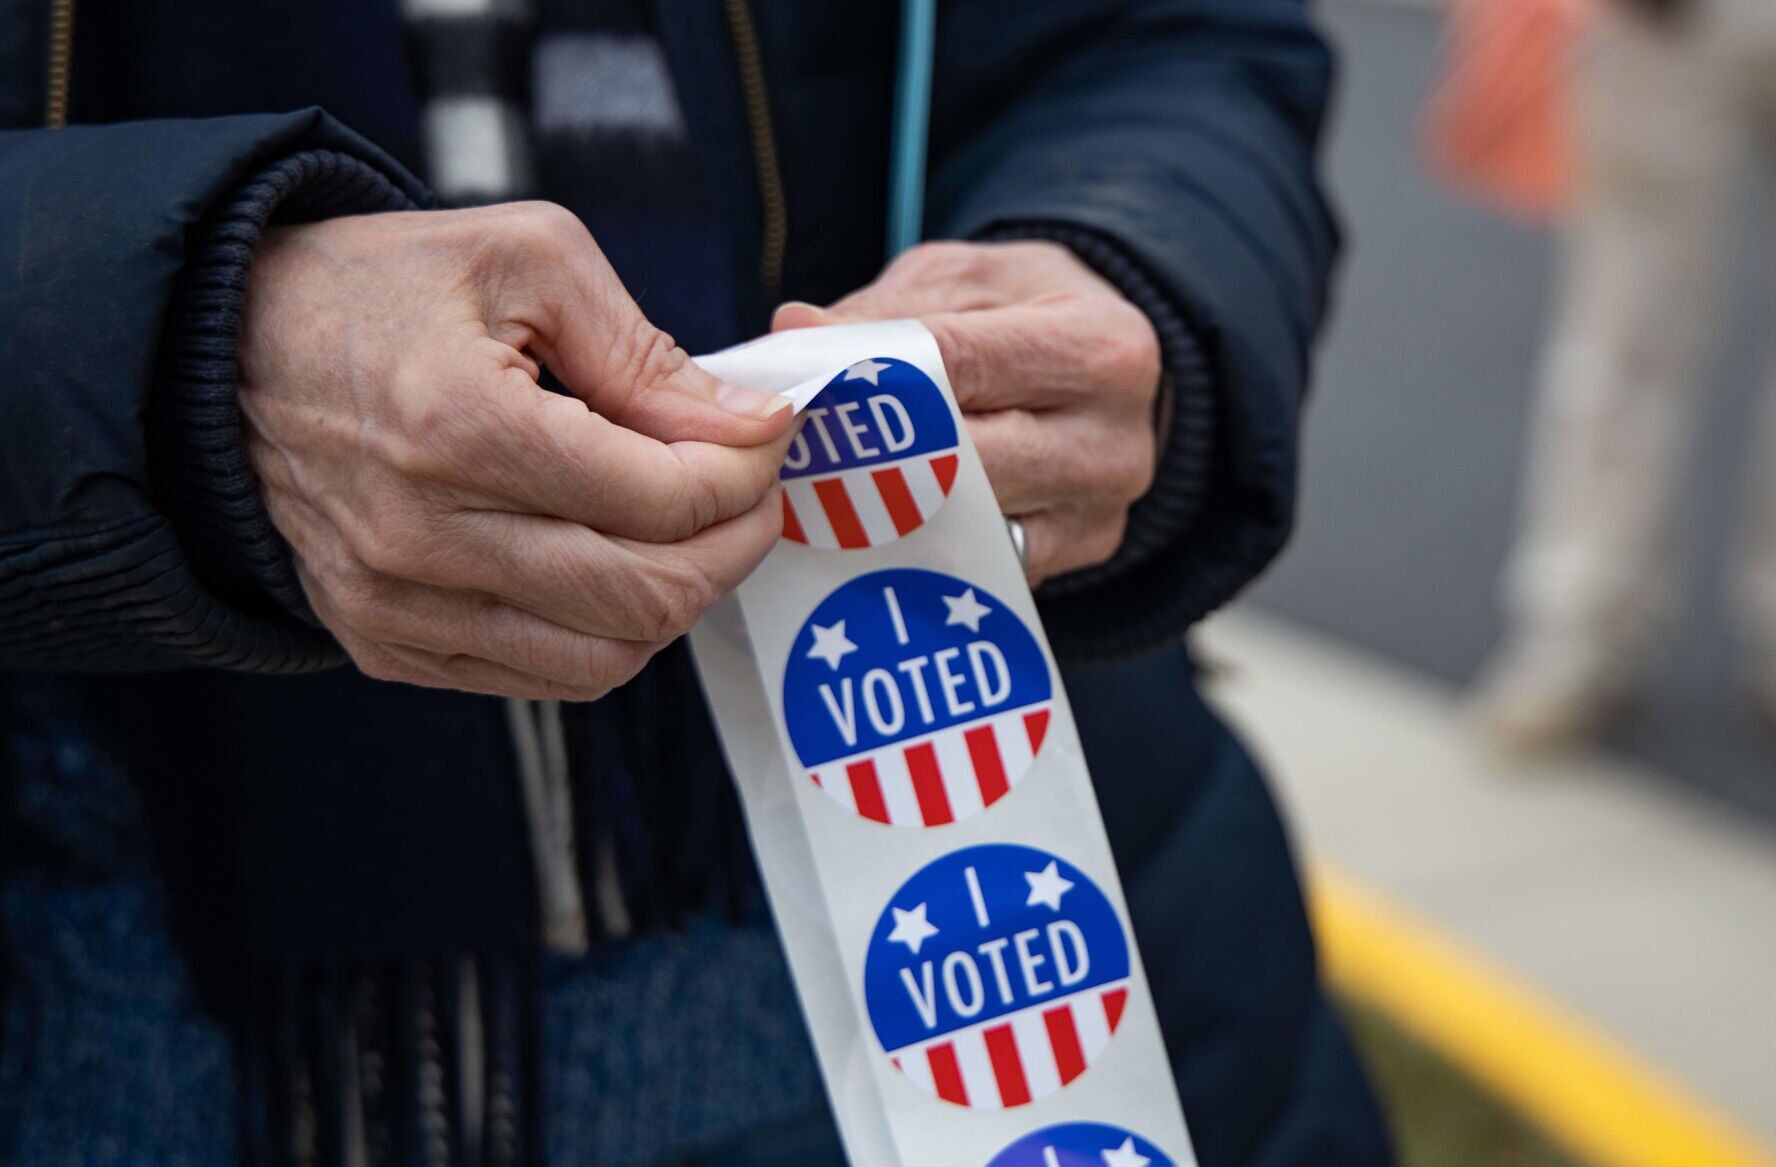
x: 996, y: 975
x: 1082, y: 1144
x: 915, y: 698
x: 874, y: 460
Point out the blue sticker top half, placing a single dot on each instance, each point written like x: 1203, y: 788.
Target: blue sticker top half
x: 1082, y: 1144
x: 985, y: 932
x: 896, y: 654
x: 877, y: 410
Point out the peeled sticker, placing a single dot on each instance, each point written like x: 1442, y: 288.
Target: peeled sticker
x: 1082, y: 1144
x: 915, y: 698
x: 996, y: 976
x: 874, y: 460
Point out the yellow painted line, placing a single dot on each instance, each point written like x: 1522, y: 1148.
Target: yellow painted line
x: 1580, y: 1088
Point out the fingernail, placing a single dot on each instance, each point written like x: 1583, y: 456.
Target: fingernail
x: 749, y: 402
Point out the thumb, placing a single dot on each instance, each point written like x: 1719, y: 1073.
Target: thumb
x: 652, y: 386
x: 595, y: 338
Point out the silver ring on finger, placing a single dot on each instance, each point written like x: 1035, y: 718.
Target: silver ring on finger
x: 1020, y: 541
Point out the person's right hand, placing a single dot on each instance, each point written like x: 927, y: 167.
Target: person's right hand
x: 455, y: 524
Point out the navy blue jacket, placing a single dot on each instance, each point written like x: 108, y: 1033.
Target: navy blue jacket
x: 1181, y: 129
x: 1171, y: 142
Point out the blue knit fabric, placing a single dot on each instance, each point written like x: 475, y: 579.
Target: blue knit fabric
x: 654, y: 1050
x: 104, y: 1057
x: 677, y: 1044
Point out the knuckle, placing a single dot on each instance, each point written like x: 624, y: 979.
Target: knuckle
x: 388, y: 546
x: 450, y: 409
x: 1132, y: 475
x: 376, y: 664
x: 674, y: 598
x: 582, y: 666
x: 376, y: 622
x: 962, y: 355
x: 1032, y: 251
x: 602, y: 669
x: 535, y: 655
x: 628, y: 662
x: 414, y: 456
x: 942, y: 259
x: 365, y: 603
x: 372, y: 666
x: 437, y: 427
x: 689, y: 504
x: 651, y: 356
x: 545, y: 229
x: 473, y: 675
x: 1047, y: 270
x: 1125, y: 352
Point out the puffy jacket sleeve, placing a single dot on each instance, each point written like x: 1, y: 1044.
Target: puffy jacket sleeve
x: 1172, y: 144
x: 131, y: 533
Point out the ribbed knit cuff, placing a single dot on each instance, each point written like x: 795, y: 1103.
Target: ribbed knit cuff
x: 199, y: 469
x: 1163, y: 518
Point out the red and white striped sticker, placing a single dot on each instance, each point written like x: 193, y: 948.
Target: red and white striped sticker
x: 1028, y: 1056
x: 866, y: 507
x: 915, y: 698
x: 997, y: 975
x: 875, y: 459
x: 940, y: 777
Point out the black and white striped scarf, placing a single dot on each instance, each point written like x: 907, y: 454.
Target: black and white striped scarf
x: 573, y: 100
x: 471, y: 64
x: 437, y: 1061
x: 502, y: 81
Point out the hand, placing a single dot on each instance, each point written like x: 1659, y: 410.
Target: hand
x: 454, y: 523
x: 1055, y: 372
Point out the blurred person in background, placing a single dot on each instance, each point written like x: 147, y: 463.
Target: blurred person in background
x: 1674, y: 99
x: 314, y: 845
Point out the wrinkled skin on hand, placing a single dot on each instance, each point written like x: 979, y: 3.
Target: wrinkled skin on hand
x: 1055, y: 371
x: 455, y: 524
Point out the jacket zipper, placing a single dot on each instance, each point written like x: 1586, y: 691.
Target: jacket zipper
x: 61, y: 63
x: 775, y: 234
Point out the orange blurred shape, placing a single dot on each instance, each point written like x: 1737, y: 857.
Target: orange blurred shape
x: 1499, y: 126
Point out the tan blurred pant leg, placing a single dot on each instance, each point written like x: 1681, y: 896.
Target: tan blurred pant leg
x: 1754, y: 583
x: 1663, y: 142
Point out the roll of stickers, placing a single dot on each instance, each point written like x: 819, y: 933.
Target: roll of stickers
x: 916, y: 792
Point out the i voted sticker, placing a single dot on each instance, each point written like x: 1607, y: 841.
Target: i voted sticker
x: 996, y: 975
x: 915, y: 698
x: 874, y: 460
x: 1082, y: 1144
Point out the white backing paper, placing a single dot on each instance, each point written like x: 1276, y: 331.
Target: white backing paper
x: 833, y: 874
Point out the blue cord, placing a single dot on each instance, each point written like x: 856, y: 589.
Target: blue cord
x: 912, y: 120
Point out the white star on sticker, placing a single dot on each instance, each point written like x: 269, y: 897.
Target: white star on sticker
x: 831, y: 645
x: 965, y: 609
x: 866, y: 371
x: 1126, y: 1156
x: 1047, y: 887
x: 912, y: 928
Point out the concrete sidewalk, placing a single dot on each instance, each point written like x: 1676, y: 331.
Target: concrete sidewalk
x: 1417, y: 421
x: 1646, y: 911
x: 1635, y: 888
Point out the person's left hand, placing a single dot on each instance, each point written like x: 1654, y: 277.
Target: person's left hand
x: 1055, y: 371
